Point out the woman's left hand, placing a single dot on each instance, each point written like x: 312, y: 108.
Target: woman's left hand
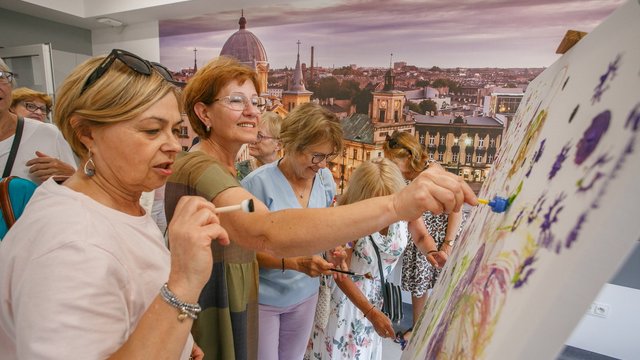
x: 437, y: 259
x: 44, y: 166
x: 338, y: 258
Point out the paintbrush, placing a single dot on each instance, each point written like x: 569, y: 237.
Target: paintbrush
x: 245, y: 205
x: 367, y: 275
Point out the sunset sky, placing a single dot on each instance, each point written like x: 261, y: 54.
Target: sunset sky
x: 453, y: 33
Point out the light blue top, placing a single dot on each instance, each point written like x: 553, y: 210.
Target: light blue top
x: 267, y: 183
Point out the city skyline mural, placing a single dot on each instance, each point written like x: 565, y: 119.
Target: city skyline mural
x: 427, y: 33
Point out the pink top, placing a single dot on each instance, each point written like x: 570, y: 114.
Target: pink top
x: 76, y: 276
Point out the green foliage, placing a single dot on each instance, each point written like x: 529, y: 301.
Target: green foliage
x: 414, y: 107
x: 422, y: 83
x: 426, y: 106
x: 330, y: 87
x: 362, y: 100
x: 453, y: 86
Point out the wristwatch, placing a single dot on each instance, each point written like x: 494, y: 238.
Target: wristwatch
x: 450, y: 242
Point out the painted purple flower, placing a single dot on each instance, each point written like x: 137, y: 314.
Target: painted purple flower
x: 573, y: 234
x: 517, y: 221
x: 592, y: 136
x: 605, y: 79
x: 533, y: 214
x: 634, y: 118
x: 536, y: 156
x: 584, y: 188
x: 562, y: 156
x: 522, y: 275
x: 550, y: 218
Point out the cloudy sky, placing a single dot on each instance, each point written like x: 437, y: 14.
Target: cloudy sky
x: 451, y: 33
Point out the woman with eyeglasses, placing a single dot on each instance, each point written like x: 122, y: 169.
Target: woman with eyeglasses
x: 224, y: 108
x: 30, y: 104
x: 288, y: 294
x: 267, y: 146
x: 85, y: 273
x: 42, y: 151
x: 419, y: 275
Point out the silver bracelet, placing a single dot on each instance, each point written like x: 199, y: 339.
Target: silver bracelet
x: 186, y: 309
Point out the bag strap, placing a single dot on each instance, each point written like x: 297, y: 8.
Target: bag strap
x: 14, y: 147
x: 375, y: 247
x: 5, y: 202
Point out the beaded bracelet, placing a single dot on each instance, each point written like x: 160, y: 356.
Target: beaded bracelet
x: 186, y: 309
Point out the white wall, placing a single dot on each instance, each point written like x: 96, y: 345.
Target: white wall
x: 618, y: 334
x: 141, y: 39
x: 64, y: 62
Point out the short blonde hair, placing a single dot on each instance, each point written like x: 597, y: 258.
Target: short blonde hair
x: 309, y: 124
x: 402, y: 144
x: 25, y: 94
x: 120, y: 94
x: 378, y: 177
x: 207, y: 82
x: 273, y: 122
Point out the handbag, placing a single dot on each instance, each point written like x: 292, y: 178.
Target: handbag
x: 391, y: 293
x: 21, y: 189
x: 322, y: 308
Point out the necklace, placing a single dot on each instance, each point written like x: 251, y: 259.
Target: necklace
x: 300, y: 193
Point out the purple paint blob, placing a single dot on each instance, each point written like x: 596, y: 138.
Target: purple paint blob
x: 557, y: 165
x: 573, y: 234
x: 592, y: 136
x: 634, y: 118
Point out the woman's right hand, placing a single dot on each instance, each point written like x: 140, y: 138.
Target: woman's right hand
x: 313, y: 265
x: 381, y: 323
x: 193, y: 226
x: 435, y: 190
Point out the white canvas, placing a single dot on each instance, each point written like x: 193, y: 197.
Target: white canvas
x: 518, y: 282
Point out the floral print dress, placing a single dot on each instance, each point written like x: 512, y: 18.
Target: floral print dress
x: 349, y: 335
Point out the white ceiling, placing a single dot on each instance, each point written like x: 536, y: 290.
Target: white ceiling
x: 83, y: 13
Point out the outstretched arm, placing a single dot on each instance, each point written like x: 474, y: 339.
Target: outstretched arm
x: 295, y: 232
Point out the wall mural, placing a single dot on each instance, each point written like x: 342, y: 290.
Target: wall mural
x: 518, y: 282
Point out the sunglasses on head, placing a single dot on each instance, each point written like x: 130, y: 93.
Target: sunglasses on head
x: 133, y: 62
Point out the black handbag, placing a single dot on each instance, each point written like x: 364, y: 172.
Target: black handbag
x: 391, y: 293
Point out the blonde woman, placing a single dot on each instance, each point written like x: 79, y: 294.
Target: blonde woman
x: 84, y: 273
x: 418, y: 274
x: 356, y: 322
x: 266, y: 148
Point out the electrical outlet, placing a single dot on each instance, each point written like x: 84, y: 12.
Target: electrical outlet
x: 600, y: 309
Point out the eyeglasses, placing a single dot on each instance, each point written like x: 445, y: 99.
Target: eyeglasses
x: 33, y: 108
x: 6, y: 77
x: 239, y: 102
x: 317, y: 158
x: 394, y: 144
x: 133, y: 61
x: 264, y: 137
